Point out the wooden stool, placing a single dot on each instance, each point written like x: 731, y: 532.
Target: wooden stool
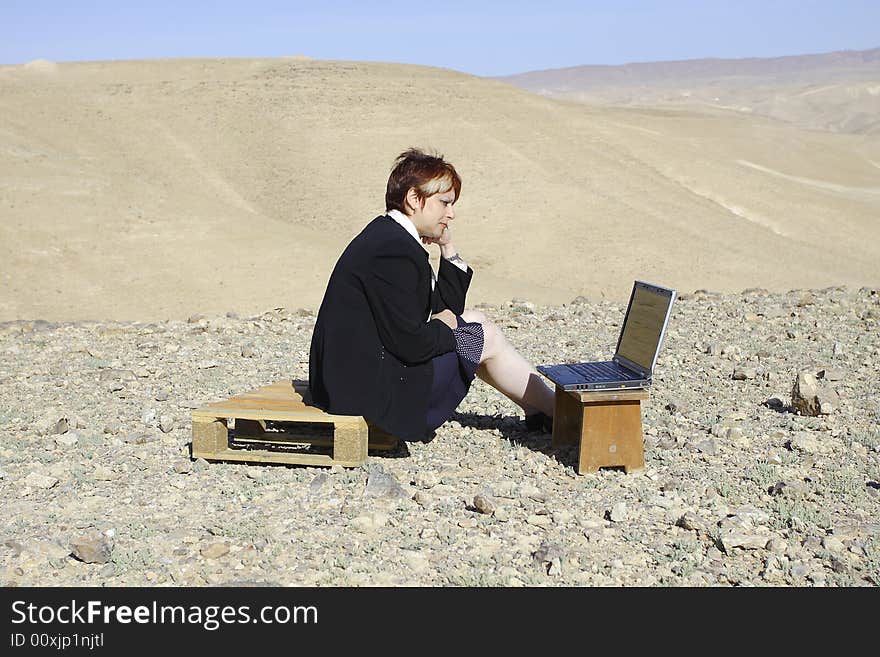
x: 276, y: 424
x: 607, y: 425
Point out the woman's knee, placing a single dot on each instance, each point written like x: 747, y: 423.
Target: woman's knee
x: 493, y: 340
x: 474, y: 316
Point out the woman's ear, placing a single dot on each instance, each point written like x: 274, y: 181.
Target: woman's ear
x: 412, y: 199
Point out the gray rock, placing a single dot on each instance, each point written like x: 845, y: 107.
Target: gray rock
x: 214, y: 550
x: 483, y: 504
x: 809, y: 397
x: 792, y: 488
x: 831, y: 374
x: 549, y: 557
x: 746, y: 541
x: 318, y: 483
x: 744, y: 373
x: 166, y: 424
x: 777, y: 401
x: 91, y: 548
x: 693, y: 522
x: 183, y: 466
x: 37, y: 480
x: 707, y: 446
x: 112, y: 427
x: 381, y: 484
x: 68, y: 439
x: 617, y: 513
x: 806, y: 299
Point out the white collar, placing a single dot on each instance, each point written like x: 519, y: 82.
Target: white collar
x: 406, y: 222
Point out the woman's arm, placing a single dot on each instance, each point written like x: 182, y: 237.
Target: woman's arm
x: 391, y: 284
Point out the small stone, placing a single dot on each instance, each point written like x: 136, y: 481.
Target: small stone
x: 830, y: 374
x: 677, y: 406
x: 427, y: 479
x: 618, y: 512
x: 183, y: 466
x: 382, y: 484
x: 833, y: 544
x: 777, y: 545
x: 804, y: 442
x: 744, y: 373
x: 811, y: 398
x: 422, y: 498
x: 113, y: 427
x: 166, y: 423
x: 549, y: 557
x: 776, y: 401
x: 317, y: 483
x: 539, y: 520
x: 248, y: 351
x: 791, y: 489
x: 91, y: 548
x: 483, y: 504
x: 693, y: 522
x: 807, y: 299
x: 69, y: 439
x: 707, y: 447
x: 36, y: 480
x: 161, y: 395
x: 744, y: 541
x: 214, y: 550
x: 102, y: 473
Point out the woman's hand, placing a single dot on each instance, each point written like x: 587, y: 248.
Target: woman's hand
x: 444, y: 239
x: 447, y: 317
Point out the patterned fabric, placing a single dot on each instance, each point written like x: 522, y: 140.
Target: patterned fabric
x: 454, y: 372
x: 469, y: 341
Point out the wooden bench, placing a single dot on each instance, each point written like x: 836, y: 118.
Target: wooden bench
x: 605, y: 424
x: 277, y: 424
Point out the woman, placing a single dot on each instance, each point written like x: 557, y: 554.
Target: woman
x: 392, y: 341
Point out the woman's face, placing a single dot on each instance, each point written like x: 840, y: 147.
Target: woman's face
x: 435, y: 216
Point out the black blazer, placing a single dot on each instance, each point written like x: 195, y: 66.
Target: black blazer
x: 372, y: 345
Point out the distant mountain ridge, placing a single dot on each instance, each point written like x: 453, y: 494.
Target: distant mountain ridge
x: 807, y: 67
x: 793, y: 88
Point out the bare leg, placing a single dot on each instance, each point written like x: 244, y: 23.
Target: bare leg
x: 505, y: 369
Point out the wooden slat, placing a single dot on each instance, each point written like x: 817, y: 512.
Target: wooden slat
x: 281, y: 401
x: 609, y: 395
x: 276, y: 457
x: 273, y: 414
x: 260, y: 402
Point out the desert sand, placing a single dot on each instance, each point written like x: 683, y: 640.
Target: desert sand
x: 138, y: 190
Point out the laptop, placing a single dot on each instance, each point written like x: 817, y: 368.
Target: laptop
x: 638, y: 344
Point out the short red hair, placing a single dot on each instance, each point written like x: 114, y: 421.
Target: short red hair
x: 425, y: 173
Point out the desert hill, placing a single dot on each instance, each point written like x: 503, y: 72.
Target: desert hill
x: 838, y: 91
x: 163, y: 188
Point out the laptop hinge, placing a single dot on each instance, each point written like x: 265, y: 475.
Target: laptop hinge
x: 628, y: 364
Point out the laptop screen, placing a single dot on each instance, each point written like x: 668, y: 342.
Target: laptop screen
x: 645, y: 324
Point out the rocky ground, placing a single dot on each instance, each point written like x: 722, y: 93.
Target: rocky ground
x: 740, y: 487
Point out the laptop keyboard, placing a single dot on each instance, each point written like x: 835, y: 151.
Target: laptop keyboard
x: 603, y: 371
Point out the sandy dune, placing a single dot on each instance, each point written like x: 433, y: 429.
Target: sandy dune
x: 158, y: 189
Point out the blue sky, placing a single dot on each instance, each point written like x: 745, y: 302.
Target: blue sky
x: 483, y: 38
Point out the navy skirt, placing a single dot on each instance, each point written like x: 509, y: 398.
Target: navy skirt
x: 453, y: 373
